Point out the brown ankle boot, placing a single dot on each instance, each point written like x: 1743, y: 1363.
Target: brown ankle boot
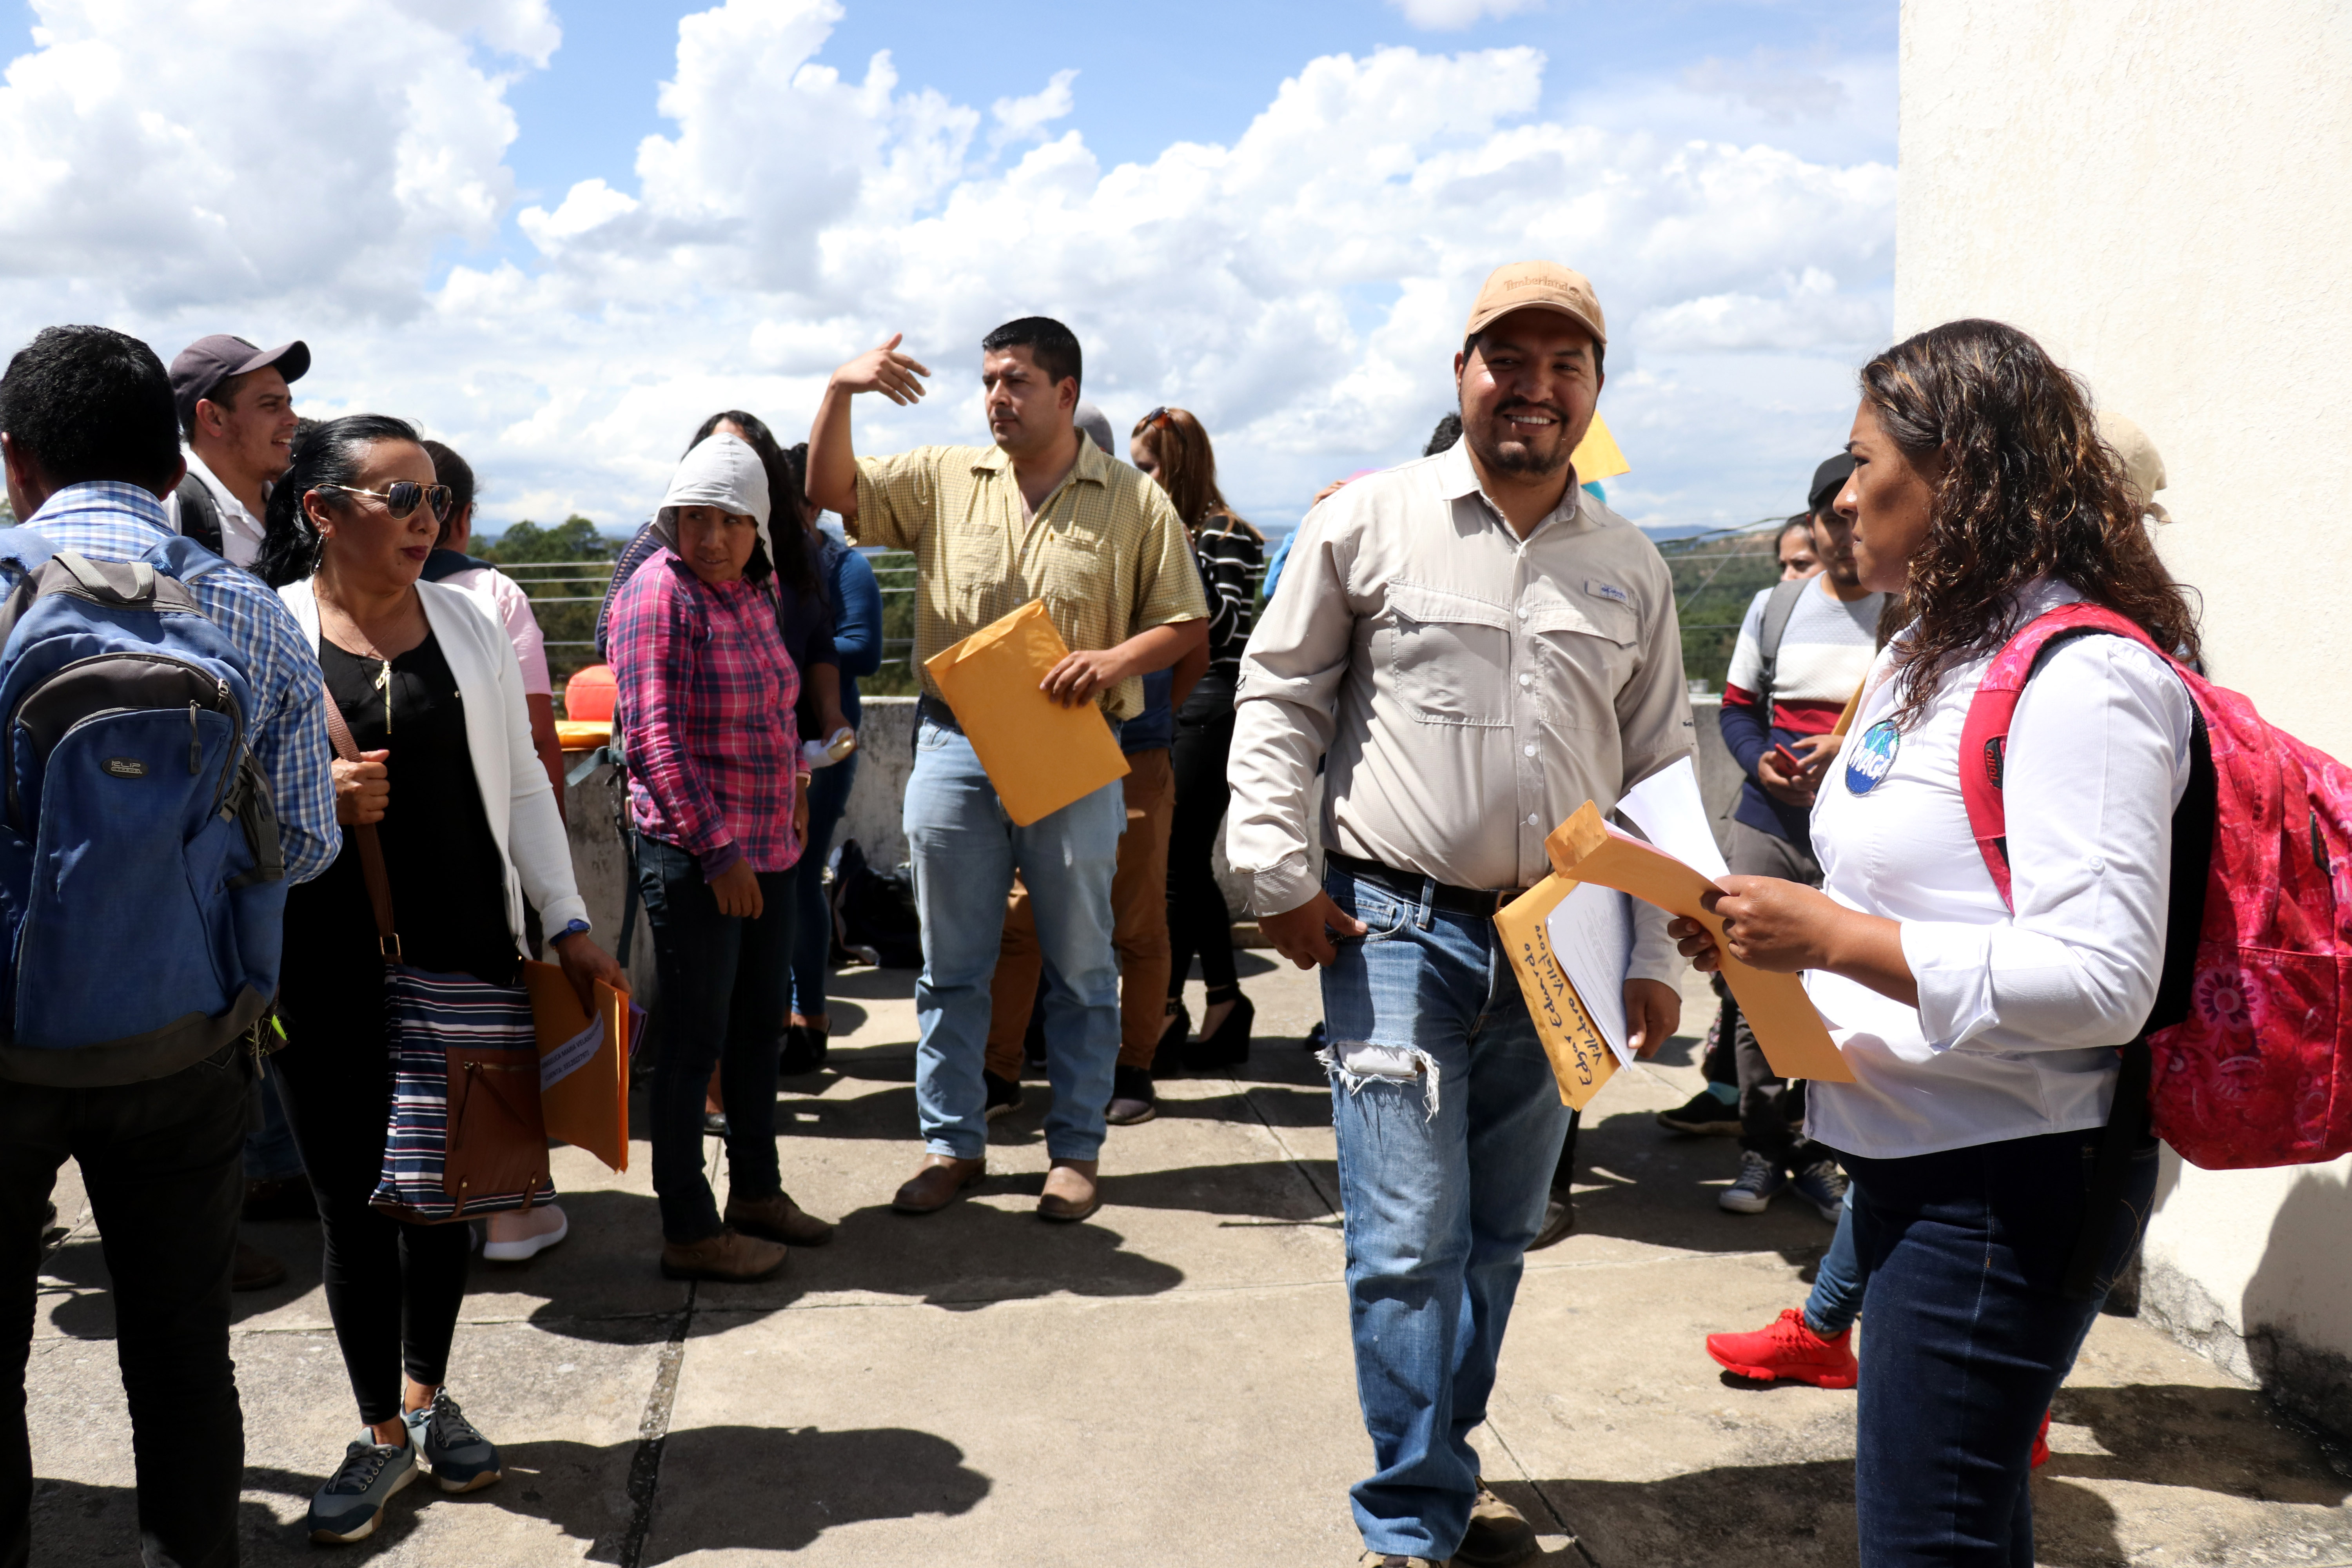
x: 1071, y: 1192
x: 730, y: 1255
x: 778, y: 1218
x: 938, y: 1181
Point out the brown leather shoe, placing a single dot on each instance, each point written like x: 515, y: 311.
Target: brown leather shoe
x: 255, y: 1270
x: 731, y: 1256
x: 938, y: 1181
x: 1498, y: 1535
x: 778, y: 1218
x: 1071, y: 1193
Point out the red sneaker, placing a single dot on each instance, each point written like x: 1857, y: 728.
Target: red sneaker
x: 2041, y: 1455
x: 1789, y: 1349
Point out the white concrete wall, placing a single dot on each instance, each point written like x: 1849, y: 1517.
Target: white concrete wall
x: 2162, y: 194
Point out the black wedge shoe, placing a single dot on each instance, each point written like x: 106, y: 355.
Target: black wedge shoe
x: 1229, y: 1047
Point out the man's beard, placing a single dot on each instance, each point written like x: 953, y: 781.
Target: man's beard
x: 1522, y: 461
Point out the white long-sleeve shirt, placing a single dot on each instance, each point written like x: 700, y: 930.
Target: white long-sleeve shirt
x: 2019, y: 1014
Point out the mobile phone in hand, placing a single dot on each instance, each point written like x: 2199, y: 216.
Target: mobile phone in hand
x: 1786, y: 761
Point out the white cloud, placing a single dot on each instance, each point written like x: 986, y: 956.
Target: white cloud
x: 1781, y: 87
x: 1025, y: 119
x: 1446, y: 15
x: 1303, y: 289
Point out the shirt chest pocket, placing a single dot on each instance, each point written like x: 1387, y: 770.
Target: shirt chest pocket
x: 1450, y: 657
x: 1584, y: 656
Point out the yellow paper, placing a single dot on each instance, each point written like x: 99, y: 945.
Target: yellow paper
x: 1581, y: 1059
x: 589, y: 1105
x: 582, y: 734
x: 1040, y: 755
x: 1597, y: 456
x: 1787, y: 1027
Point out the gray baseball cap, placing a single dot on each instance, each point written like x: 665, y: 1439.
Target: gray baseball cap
x: 207, y: 362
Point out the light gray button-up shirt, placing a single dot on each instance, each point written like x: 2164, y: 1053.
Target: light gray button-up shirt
x: 1468, y: 689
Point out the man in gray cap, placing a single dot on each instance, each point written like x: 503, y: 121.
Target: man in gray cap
x: 236, y: 415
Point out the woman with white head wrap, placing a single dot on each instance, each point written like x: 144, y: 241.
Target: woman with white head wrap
x: 717, y: 794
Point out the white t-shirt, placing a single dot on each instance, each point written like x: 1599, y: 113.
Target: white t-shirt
x: 2019, y: 1016
x: 510, y: 607
x: 240, y: 529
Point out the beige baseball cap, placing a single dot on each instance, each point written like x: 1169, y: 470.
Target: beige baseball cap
x: 1538, y: 286
x: 2142, y: 463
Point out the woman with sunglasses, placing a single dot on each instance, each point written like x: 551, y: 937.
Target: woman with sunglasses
x: 431, y: 690
x: 1982, y: 1029
x: 1170, y: 445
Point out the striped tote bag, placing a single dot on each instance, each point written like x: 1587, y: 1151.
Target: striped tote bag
x: 467, y: 1136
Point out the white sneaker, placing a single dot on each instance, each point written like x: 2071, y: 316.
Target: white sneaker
x: 520, y: 1235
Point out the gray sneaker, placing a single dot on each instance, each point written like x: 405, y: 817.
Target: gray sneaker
x: 350, y: 1505
x: 463, y: 1460
x: 1761, y: 1180
x: 1821, y: 1185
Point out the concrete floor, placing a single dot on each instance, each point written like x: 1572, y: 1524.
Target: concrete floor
x: 1167, y: 1384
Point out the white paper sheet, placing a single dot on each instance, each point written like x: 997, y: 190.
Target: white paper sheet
x: 1591, y: 935
x: 1667, y: 808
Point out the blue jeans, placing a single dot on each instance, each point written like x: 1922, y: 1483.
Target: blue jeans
x: 965, y: 852
x: 722, y: 983
x: 813, y: 922
x: 1971, y: 1334
x: 1839, y: 1283
x: 1443, y: 1177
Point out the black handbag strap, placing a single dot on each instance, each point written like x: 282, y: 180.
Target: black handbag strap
x: 372, y: 871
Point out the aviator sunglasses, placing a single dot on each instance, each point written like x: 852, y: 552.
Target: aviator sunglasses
x: 401, y: 498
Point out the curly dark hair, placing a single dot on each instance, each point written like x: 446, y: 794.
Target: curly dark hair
x: 2027, y: 489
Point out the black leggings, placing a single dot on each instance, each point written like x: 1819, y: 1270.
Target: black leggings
x: 1198, y: 924
x: 394, y: 1289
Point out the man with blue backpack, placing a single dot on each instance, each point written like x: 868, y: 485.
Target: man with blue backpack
x: 165, y: 766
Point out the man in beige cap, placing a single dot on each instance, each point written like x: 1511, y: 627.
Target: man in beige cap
x: 1474, y: 647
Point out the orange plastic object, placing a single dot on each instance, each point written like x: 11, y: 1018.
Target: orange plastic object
x: 589, y: 695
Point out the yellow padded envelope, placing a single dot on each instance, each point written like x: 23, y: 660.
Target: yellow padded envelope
x: 1040, y: 755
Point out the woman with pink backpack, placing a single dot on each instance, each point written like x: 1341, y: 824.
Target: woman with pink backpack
x: 1978, y: 981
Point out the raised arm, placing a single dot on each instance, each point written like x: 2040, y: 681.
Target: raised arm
x: 832, y: 461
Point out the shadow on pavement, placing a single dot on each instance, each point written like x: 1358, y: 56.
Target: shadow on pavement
x: 749, y: 1487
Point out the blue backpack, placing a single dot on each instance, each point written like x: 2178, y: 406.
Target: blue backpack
x: 142, y: 884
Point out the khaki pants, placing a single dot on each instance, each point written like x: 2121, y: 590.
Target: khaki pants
x: 1138, y: 903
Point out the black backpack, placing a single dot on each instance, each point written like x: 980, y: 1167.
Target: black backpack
x: 875, y: 910
x: 199, y: 515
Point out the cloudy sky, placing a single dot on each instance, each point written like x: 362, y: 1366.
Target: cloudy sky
x: 558, y: 232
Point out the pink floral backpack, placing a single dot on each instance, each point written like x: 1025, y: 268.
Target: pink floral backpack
x: 2248, y: 1052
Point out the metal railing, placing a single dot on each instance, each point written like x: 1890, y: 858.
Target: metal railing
x: 1715, y: 574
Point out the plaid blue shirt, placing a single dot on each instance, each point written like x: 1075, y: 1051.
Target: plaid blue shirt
x: 110, y: 522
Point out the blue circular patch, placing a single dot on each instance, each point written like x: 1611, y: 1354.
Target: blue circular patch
x: 1873, y: 755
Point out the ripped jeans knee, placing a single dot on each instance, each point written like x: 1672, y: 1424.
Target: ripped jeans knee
x: 1352, y: 1064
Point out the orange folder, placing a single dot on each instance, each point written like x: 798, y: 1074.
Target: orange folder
x: 1040, y: 755
x: 583, y: 1063
x: 1788, y: 1028
x: 1581, y: 1059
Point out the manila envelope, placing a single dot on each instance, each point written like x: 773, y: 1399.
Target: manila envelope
x: 1787, y: 1026
x: 1040, y: 755
x: 1581, y: 1059
x: 583, y: 1063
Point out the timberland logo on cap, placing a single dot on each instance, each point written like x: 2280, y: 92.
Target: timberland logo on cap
x: 126, y: 767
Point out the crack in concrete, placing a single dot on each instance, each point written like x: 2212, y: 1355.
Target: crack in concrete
x: 653, y: 1435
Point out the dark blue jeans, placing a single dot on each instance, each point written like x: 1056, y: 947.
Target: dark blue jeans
x: 1839, y: 1282
x: 722, y: 1003
x: 1971, y: 1334
x: 813, y: 922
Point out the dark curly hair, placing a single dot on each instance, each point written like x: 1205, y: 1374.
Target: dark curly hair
x: 2027, y: 489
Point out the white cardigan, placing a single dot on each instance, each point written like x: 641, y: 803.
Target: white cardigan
x: 530, y: 831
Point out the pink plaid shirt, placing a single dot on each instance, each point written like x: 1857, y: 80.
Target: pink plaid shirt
x: 707, y: 693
